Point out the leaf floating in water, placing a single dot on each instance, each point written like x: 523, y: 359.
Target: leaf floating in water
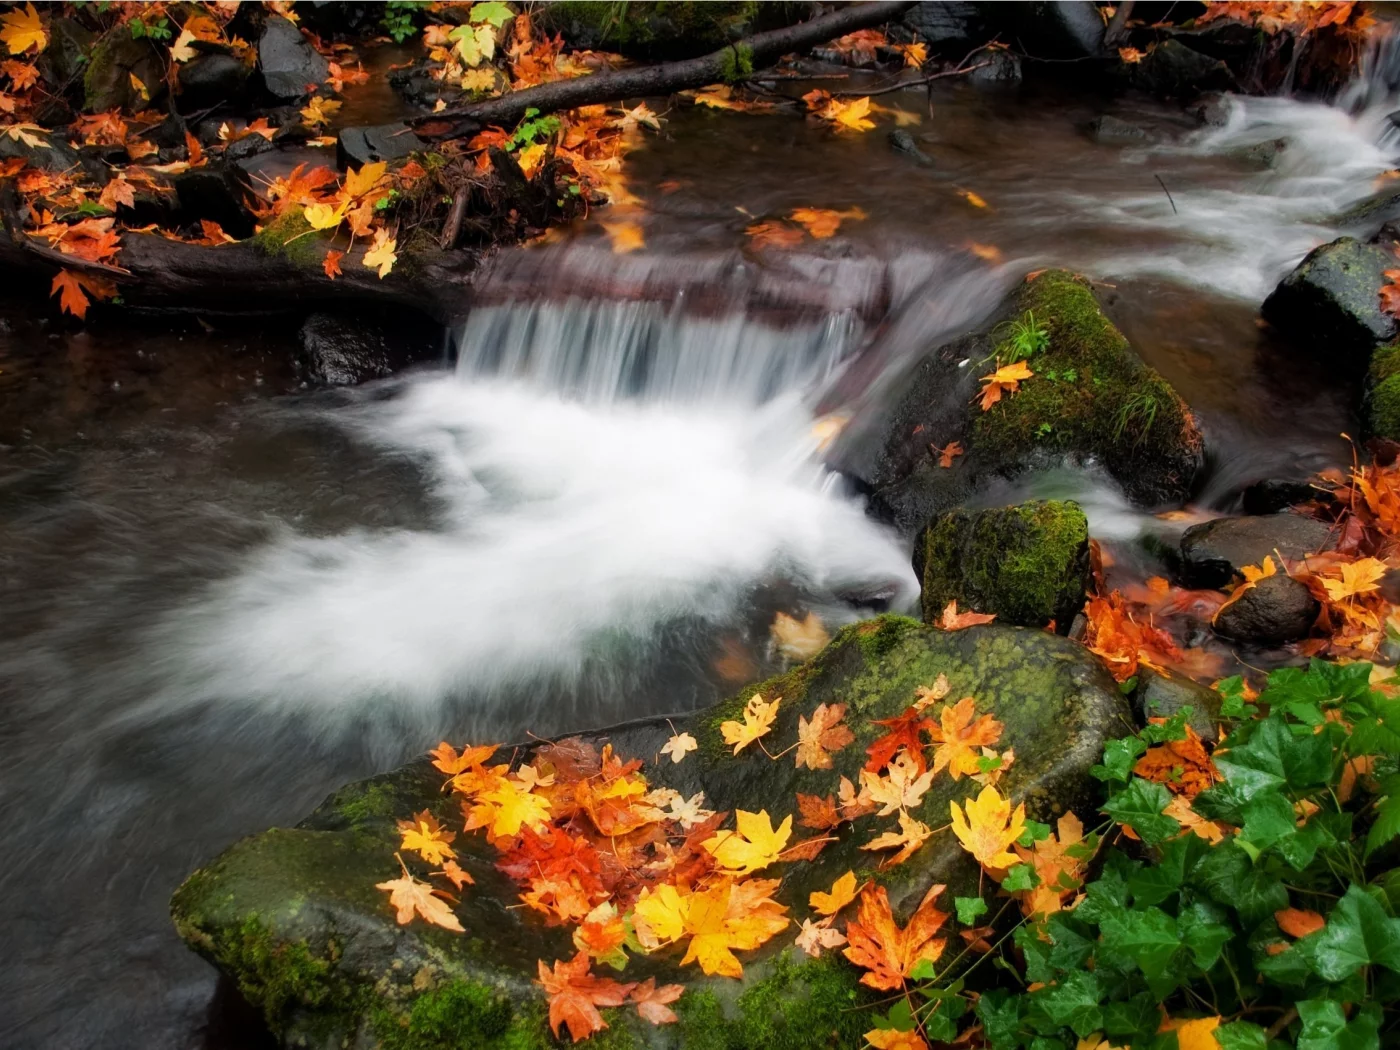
x: 799, y: 639
x: 625, y: 237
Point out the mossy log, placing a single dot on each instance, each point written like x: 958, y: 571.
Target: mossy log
x: 294, y: 918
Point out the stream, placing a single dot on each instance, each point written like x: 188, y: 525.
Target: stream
x: 225, y: 595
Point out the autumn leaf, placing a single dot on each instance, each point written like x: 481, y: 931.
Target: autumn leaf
x: 117, y: 191
x: 679, y: 745
x: 905, y: 734
x: 843, y: 891
x: 903, y: 788
x: 29, y: 134
x: 915, y: 55
x: 752, y: 845
x: 823, y: 222
x: 1196, y: 1034
x: 21, y: 30
x: 446, y: 759
x: 947, y: 453
x: 895, y: 1039
x: 651, y: 1001
x: 323, y: 216
x: 1130, y: 55
x: 988, y: 827
x: 774, y: 235
x: 659, y: 916
x: 952, y: 620
x: 381, y: 255
x: 180, y: 51
x: 911, y: 835
x: 887, y: 953
x: 959, y: 738
x: 799, y: 639
x: 817, y: 937
x: 412, y: 897
x: 853, y: 115
x: 625, y: 237
x: 365, y: 180
x: 758, y: 720
x: 331, y: 263
x: 575, y: 995
x: 927, y: 695
x: 601, y: 935
x: 817, y: 812
x: 1298, y: 923
x: 1390, y: 293
x: 427, y: 837
x: 824, y: 734
x: 69, y: 287
x: 1005, y: 380
x: 319, y: 111
x: 507, y: 808
x: 1183, y: 766
x: 972, y: 198
x: 1179, y: 809
x: 1359, y: 577
x: 458, y: 875
x: 194, y: 151
x: 23, y: 75
x: 638, y: 116
x: 139, y: 86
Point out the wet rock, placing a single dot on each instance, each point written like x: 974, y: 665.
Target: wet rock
x: 417, y: 86
x: 1262, y: 156
x: 946, y: 26
x: 1330, y: 300
x: 1213, y: 552
x: 114, y: 61
x: 1070, y: 29
x: 1028, y: 564
x: 212, y: 192
x: 1272, y: 495
x: 292, y: 915
x: 329, y: 17
x: 358, y: 146
x: 1113, y: 131
x: 1275, y: 610
x: 341, y: 351
x: 290, y: 66
x: 995, y: 69
x: 208, y: 80
x: 1091, y: 397
x: 50, y: 154
x: 1212, y: 109
x: 658, y: 32
x: 1161, y: 694
x: 61, y: 64
x: 1382, y: 401
x: 903, y: 142
x: 1174, y: 70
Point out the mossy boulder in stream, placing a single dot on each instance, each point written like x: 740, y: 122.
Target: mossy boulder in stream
x: 1330, y: 304
x: 1090, y: 398
x: 1383, y: 393
x: 1028, y: 564
x: 292, y: 915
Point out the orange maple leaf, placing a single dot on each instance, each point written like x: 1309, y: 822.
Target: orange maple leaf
x: 774, y: 235
x: 887, y: 953
x: 575, y: 995
x: 652, y: 1001
x: 72, y: 287
x: 410, y: 897
x: 824, y: 734
x: 817, y: 812
x: 446, y: 759
x: 1005, y: 380
x: 1390, y: 293
x: 1183, y: 766
x: 960, y: 738
x: 904, y: 734
x: 1298, y: 923
x: 331, y: 263
x: 947, y: 453
x: 953, y: 620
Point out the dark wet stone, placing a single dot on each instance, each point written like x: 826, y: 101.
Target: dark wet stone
x: 212, y: 192
x: 365, y: 145
x: 1070, y: 29
x: 1330, y: 300
x: 292, y: 915
x: 903, y: 142
x: 1162, y: 694
x: 1028, y: 564
x: 1212, y: 553
x: 329, y: 17
x: 61, y: 63
x: 1262, y: 155
x: 1272, y: 495
x: 946, y: 24
x: 342, y: 350
x: 1212, y: 109
x: 208, y: 80
x: 51, y: 154
x: 1175, y: 70
x: 1113, y: 131
x: 115, y: 59
x: 1001, y: 68
x: 290, y: 66
x: 1275, y: 610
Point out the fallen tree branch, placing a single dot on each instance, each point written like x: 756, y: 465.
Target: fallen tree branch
x: 663, y: 79
x: 918, y: 82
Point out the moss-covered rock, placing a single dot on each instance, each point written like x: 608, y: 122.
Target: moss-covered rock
x: 1329, y: 302
x: 293, y: 915
x: 662, y: 30
x: 1383, y: 393
x: 1090, y: 398
x: 1028, y: 564
x: 108, y: 78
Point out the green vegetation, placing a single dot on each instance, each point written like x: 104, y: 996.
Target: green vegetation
x: 1383, y: 397
x: 458, y: 1016
x: 738, y: 64
x: 1026, y: 339
x: 398, y: 18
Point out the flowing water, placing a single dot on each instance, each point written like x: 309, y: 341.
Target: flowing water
x: 224, y: 596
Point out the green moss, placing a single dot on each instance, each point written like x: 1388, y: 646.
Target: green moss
x: 662, y: 28
x: 277, y: 976
x: 461, y: 1015
x: 1102, y: 400
x: 738, y: 64
x: 1385, y: 362
x: 701, y: 1021
x: 289, y: 237
x: 1028, y: 564
x: 880, y: 636
x: 1383, y: 409
x: 375, y: 802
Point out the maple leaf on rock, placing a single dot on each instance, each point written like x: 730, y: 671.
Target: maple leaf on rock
x: 457, y: 875
x: 1005, y: 380
x: 926, y: 695
x: 411, y: 897
x: 652, y: 1002
x: 843, y: 891
x: 911, y: 835
x: 887, y: 953
x: 427, y: 837
x: 817, y: 937
x: 73, y: 289
x: 446, y: 759
x: 824, y: 734
x: 904, y: 734
x: 505, y: 809
x: 952, y: 620
x: 21, y: 30
x: 679, y: 745
x: 959, y: 737
x: 380, y: 255
x: 948, y: 453
x: 752, y: 845
x: 988, y: 827
x: 575, y: 995
x: 902, y: 788
x: 331, y: 264
x: 799, y: 639
x: 817, y: 812
x: 730, y: 916
x: 601, y: 935
x: 758, y: 720
x: 1362, y: 576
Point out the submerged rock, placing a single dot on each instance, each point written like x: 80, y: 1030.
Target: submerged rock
x: 1113, y: 131
x: 290, y: 66
x: 342, y: 350
x: 1161, y: 694
x: 1213, y: 552
x: 1275, y: 610
x: 1330, y: 300
x: 1028, y: 564
x: 292, y: 915
x: 1091, y: 397
x: 367, y: 145
x: 1271, y: 495
x: 902, y: 142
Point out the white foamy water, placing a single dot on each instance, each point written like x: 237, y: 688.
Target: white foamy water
x: 569, y: 523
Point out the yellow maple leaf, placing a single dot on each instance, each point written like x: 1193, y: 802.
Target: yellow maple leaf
x: 23, y: 30
x: 381, y: 253
x: 931, y: 694
x: 902, y: 788
x: 625, y: 237
x: 506, y: 808
x: 139, y: 86
x: 1197, y: 1034
x: 359, y: 183
x: 323, y: 216
x: 910, y: 836
x: 730, y: 916
x: 752, y: 845
x: 824, y: 734
x: 659, y: 916
x: 1358, y: 577
x: 974, y: 199
x: 799, y: 639
x: 427, y: 837
x: 843, y: 891
x: 410, y: 896
x: 758, y: 720
x: 853, y: 114
x: 679, y: 745
x: 959, y: 738
x: 1006, y: 379
x: 824, y: 222
x: 318, y: 111
x: 180, y: 51
x: 988, y: 827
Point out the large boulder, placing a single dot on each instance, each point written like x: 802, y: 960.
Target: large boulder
x: 948, y: 25
x: 1091, y: 398
x: 1176, y: 70
x: 208, y: 80
x: 1330, y: 301
x: 1028, y: 564
x: 1213, y: 552
x: 1275, y: 610
x: 290, y: 66
x: 1064, y: 29
x: 115, y: 65
x: 292, y: 915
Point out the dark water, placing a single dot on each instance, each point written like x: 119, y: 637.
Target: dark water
x: 224, y: 596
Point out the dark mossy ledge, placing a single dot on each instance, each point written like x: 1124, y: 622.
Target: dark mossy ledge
x: 261, y: 275
x: 1091, y: 398
x: 293, y: 917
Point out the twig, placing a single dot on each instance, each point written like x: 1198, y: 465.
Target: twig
x: 1167, y: 192
x: 453, y: 226
x: 1276, y: 1029
x: 915, y: 83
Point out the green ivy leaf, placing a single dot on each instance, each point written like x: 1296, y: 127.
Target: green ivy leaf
x: 1148, y: 936
x: 1204, y: 931
x: 1000, y: 1014
x: 1325, y: 1026
x: 1241, y: 1035
x: 1268, y: 817
x: 1358, y: 933
x: 969, y: 909
x: 1387, y: 822
x: 1073, y: 1003
x: 1119, y: 757
x: 1228, y: 874
x: 1019, y: 878
x: 1156, y: 882
x: 493, y: 13
x: 1035, y: 832
x: 1141, y: 805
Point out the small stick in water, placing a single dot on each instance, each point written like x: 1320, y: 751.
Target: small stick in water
x: 1167, y: 192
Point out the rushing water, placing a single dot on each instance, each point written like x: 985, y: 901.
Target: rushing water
x: 224, y: 597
